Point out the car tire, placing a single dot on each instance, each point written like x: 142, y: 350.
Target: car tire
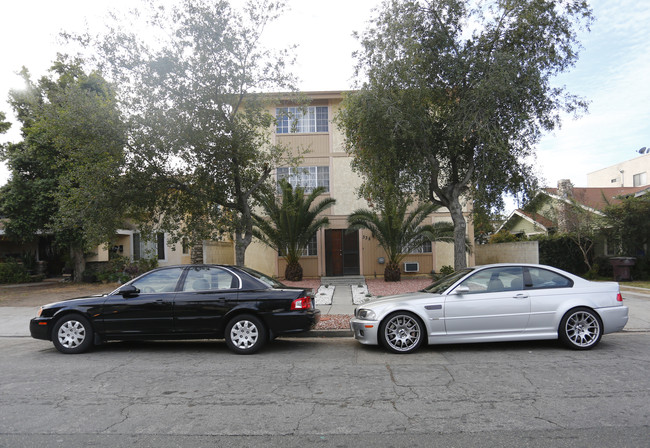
x: 402, y: 332
x: 581, y: 329
x: 72, y: 334
x: 245, y: 334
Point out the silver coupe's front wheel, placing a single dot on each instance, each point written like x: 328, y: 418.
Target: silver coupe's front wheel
x: 402, y: 332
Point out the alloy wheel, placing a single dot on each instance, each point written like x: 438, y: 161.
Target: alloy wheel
x: 402, y: 333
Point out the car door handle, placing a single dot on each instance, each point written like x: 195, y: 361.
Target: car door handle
x: 521, y: 296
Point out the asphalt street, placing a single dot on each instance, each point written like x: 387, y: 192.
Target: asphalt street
x: 324, y: 391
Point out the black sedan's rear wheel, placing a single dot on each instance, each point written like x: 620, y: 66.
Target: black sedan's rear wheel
x: 245, y: 334
x: 581, y: 329
x: 402, y: 332
x: 72, y: 334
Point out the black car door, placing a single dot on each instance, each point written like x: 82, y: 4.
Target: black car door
x: 149, y: 312
x: 206, y: 296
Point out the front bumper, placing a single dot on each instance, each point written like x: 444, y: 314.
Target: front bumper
x: 365, y: 331
x: 39, y: 328
x: 614, y: 318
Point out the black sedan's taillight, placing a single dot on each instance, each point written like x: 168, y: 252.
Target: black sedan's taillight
x: 301, y: 303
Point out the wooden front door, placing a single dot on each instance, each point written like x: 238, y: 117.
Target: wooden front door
x: 341, y: 252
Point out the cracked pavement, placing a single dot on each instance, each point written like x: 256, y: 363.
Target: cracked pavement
x: 322, y: 389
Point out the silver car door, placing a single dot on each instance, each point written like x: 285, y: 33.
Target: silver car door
x: 490, y: 302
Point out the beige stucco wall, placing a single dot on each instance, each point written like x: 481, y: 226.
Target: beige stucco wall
x: 604, y: 177
x: 520, y: 252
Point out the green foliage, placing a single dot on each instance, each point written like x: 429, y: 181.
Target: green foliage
x: 193, y: 98
x: 561, y: 252
x: 628, y: 224
x: 65, y: 173
x: 12, y: 272
x: 504, y: 236
x: 122, y: 269
x: 290, y: 223
x: 446, y: 270
x: 456, y: 97
x: 399, y: 231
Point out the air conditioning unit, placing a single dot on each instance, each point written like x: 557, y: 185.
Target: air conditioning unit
x: 413, y: 266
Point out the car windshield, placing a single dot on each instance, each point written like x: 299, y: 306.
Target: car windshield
x: 438, y: 287
x: 268, y: 281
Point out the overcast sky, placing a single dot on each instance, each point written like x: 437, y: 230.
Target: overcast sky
x: 613, y: 71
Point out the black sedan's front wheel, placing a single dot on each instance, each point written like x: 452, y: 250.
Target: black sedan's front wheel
x: 245, y: 334
x: 401, y: 332
x: 72, y: 334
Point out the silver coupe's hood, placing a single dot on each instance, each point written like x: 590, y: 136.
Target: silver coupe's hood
x: 399, y: 298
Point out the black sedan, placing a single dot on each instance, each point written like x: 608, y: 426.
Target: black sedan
x: 244, y: 306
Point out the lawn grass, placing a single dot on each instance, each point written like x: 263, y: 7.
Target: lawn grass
x: 644, y: 284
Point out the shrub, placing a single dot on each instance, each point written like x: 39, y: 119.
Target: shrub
x: 446, y: 270
x: 561, y: 252
x: 12, y: 272
x: 122, y: 269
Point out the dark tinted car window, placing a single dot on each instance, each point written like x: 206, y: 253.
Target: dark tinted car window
x: 209, y: 278
x: 537, y: 278
x: 164, y: 280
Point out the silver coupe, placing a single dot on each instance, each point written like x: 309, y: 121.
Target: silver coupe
x: 500, y: 302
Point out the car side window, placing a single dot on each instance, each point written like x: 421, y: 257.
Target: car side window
x: 538, y: 278
x: 209, y: 278
x: 164, y: 280
x: 507, y: 278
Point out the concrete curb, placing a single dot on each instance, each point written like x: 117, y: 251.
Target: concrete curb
x: 322, y: 334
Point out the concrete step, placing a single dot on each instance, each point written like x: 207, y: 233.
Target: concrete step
x: 343, y: 281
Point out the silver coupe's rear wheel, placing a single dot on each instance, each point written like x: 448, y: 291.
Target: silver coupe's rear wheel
x: 401, y: 332
x: 581, y: 329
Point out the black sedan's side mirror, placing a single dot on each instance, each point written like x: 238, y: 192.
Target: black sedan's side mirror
x: 128, y: 291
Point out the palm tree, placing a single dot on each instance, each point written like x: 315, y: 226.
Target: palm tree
x: 291, y: 223
x: 400, y: 232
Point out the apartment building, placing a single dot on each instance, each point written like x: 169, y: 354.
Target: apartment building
x: 630, y: 173
x: 334, y: 251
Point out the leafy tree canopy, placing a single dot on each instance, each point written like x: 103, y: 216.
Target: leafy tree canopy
x: 199, y: 129
x: 455, y: 95
x: 65, y: 173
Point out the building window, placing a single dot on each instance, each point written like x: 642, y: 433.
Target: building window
x: 310, y: 250
x: 640, y: 179
x: 292, y: 120
x: 312, y: 247
x: 307, y: 177
x: 425, y: 248
x: 185, y: 244
x: 149, y: 249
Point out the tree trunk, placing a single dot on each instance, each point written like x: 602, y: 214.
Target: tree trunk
x: 460, y: 232
x: 78, y: 263
x: 392, y: 273
x: 241, y: 244
x: 293, y: 272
